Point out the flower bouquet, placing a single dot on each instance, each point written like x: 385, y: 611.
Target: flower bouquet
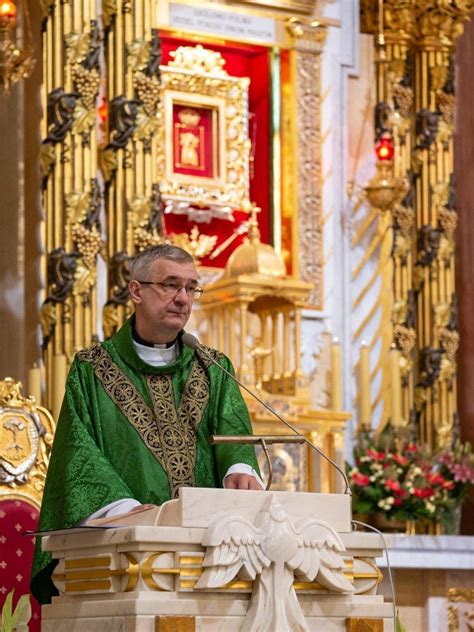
x: 406, y: 483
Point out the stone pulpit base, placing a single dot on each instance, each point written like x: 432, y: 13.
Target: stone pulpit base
x: 221, y: 561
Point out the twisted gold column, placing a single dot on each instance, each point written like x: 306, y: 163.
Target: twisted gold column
x: 71, y: 195
x: 438, y: 27
x: 128, y: 158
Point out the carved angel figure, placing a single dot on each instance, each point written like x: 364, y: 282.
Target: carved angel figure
x: 272, y: 552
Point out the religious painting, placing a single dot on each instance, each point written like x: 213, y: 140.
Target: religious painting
x: 196, y: 128
x: 203, y: 141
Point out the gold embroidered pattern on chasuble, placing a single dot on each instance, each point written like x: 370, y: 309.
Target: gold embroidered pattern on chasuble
x: 168, y: 431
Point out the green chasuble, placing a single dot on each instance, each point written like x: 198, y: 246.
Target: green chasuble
x: 131, y: 430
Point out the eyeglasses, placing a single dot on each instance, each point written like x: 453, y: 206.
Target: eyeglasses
x: 170, y: 288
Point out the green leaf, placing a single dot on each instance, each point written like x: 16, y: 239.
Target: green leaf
x: 398, y: 624
x: 7, y: 613
x: 22, y: 614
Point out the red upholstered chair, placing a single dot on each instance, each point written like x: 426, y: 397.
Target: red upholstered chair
x: 26, y: 436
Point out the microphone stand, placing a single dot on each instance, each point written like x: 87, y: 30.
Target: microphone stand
x: 262, y: 440
x: 193, y: 342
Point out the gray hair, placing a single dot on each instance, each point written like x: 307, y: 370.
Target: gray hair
x: 141, y: 263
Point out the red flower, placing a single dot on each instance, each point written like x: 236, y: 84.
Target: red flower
x: 435, y: 479
x: 393, y: 485
x: 378, y: 456
x: 360, y: 479
x: 423, y: 493
x: 400, y: 459
x: 397, y: 502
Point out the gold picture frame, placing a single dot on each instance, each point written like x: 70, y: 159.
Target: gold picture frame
x: 212, y: 108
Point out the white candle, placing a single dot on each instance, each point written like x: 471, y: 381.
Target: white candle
x: 364, y: 388
x: 336, y: 386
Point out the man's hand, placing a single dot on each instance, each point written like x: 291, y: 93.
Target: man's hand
x: 242, y: 481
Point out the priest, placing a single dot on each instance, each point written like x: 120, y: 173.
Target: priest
x: 138, y: 411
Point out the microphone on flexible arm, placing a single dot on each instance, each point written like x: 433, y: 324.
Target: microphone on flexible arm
x: 191, y: 341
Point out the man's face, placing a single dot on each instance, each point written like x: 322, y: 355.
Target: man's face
x: 162, y: 310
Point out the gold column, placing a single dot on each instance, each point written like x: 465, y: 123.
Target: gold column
x: 437, y: 29
x: 71, y: 194
x: 309, y: 38
x: 415, y: 44
x: 128, y: 157
x: 388, y: 192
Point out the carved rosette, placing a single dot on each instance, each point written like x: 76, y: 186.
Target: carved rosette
x: 309, y: 37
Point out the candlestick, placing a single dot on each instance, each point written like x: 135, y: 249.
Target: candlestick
x: 59, y: 382
x: 364, y: 388
x: 34, y: 383
x: 396, y: 388
x: 336, y: 386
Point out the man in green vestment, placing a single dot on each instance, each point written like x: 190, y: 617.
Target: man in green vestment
x: 138, y: 411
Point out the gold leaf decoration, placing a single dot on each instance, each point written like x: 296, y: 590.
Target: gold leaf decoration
x: 108, y: 163
x: 442, y: 313
x: 197, y: 245
x: 139, y: 54
x: 78, y: 45
x: 109, y: 11
x: 399, y: 312
x: 77, y: 206
x: 139, y: 210
x: 48, y: 317
x: 84, y: 279
x: 47, y: 158
x: 84, y: 119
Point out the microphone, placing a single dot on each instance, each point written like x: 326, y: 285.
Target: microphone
x: 191, y: 341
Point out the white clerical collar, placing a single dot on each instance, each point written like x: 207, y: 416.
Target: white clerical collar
x: 158, y: 355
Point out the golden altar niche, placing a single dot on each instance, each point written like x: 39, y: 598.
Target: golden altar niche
x: 253, y: 315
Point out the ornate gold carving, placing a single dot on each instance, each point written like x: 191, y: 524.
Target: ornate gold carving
x: 169, y: 432
x: 310, y: 233
x: 308, y: 29
x: 442, y: 313
x: 198, y: 59
x: 441, y: 23
x: 82, y: 50
x: 109, y: 11
x: 405, y: 218
x: 449, y: 221
x: 397, y: 18
x: 196, y: 244
x: 461, y: 595
x: 405, y: 338
x: 47, y: 158
x: 385, y: 190
x: 196, y: 78
x: 26, y: 437
x: 450, y: 342
x: 446, y: 104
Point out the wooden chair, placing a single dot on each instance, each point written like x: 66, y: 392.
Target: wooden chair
x: 26, y: 437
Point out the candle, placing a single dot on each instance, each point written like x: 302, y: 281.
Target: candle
x: 34, y: 383
x: 396, y: 388
x: 364, y: 388
x: 59, y: 382
x: 336, y: 388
